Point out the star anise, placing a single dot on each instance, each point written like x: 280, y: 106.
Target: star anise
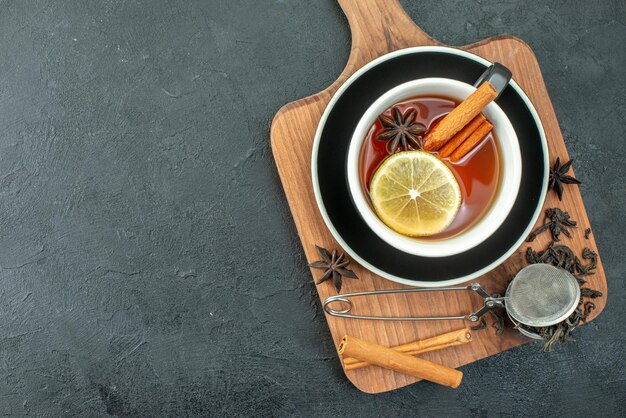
x: 401, y: 130
x: 558, y: 177
x: 334, y: 266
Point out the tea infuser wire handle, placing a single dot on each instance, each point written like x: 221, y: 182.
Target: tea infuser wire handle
x: 490, y: 302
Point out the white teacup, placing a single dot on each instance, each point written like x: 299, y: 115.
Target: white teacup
x: 510, y: 172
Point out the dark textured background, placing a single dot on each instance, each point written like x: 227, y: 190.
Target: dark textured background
x: 149, y: 263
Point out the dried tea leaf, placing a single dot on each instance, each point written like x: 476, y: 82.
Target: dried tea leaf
x: 481, y: 325
x: 557, y: 222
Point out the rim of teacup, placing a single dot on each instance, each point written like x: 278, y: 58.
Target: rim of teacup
x: 508, y: 187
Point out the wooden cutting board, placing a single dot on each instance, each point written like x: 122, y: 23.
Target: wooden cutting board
x: 379, y: 27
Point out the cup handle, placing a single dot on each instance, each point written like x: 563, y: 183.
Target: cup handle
x: 498, y: 75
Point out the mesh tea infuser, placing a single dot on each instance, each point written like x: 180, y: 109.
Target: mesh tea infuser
x: 540, y: 295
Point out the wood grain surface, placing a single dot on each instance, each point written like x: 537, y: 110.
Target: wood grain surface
x: 379, y: 27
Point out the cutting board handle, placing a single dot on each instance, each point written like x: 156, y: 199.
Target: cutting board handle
x: 380, y: 26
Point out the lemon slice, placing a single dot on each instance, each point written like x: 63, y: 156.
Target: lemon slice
x: 414, y: 193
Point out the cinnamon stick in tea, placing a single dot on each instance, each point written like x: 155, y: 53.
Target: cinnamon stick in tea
x: 473, y: 140
x: 403, y: 363
x: 439, y: 342
x: 460, y: 116
x: 461, y: 136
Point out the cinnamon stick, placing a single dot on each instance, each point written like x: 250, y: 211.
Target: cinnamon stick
x: 403, y: 363
x: 439, y: 342
x: 461, y: 136
x: 460, y: 116
x: 473, y: 140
